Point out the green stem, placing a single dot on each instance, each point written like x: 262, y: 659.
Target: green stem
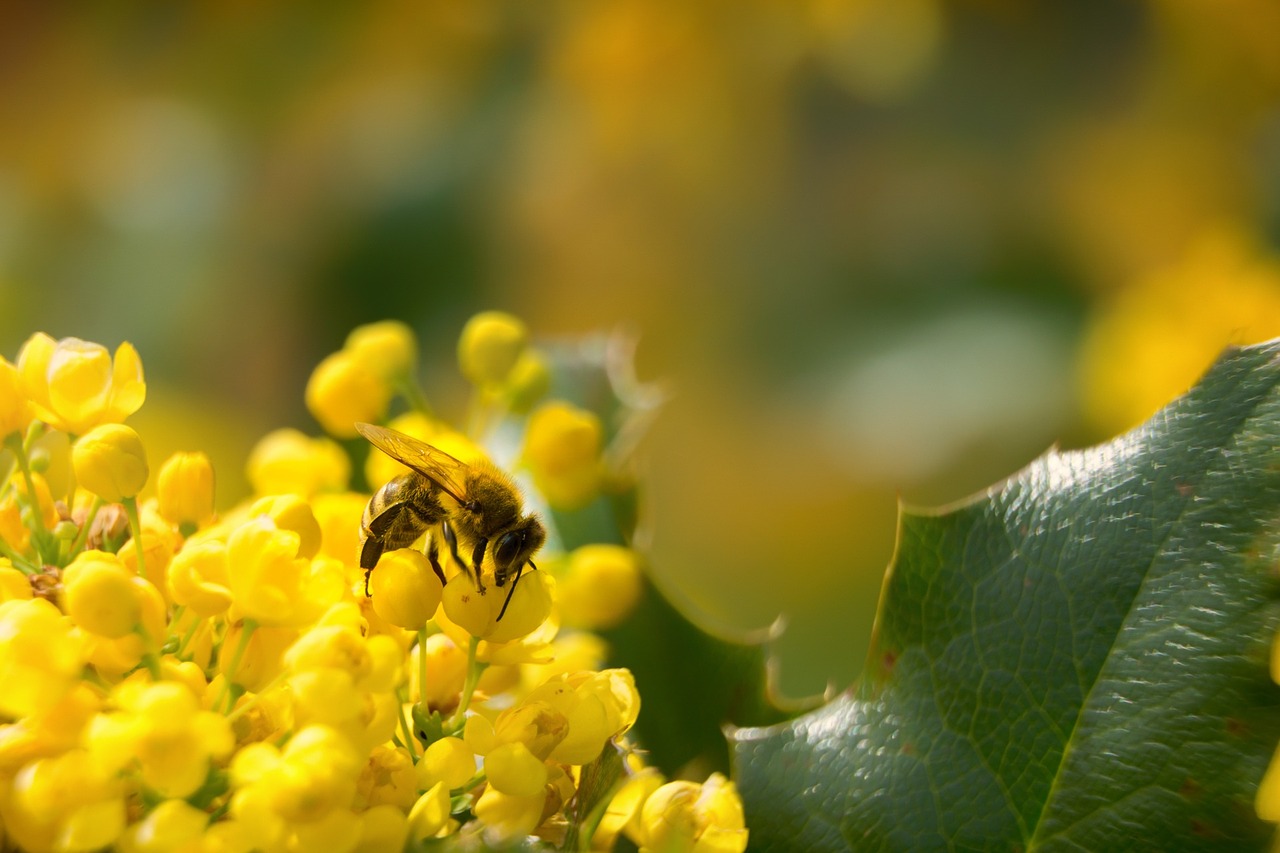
x: 40, y: 536
x: 20, y: 562
x: 135, y: 528
x: 409, y: 739
x: 422, y: 669
x: 186, y: 638
x: 83, y: 536
x: 149, y: 657
x: 469, y: 686
x: 246, y: 631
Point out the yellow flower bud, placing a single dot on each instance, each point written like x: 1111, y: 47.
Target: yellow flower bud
x: 448, y: 760
x: 446, y: 672
x: 562, y: 446
x: 14, y: 585
x: 388, y: 348
x: 288, y: 462
x: 41, y: 657
x: 343, y: 390
x: 99, y: 596
x: 199, y: 577
x: 74, y: 385
x: 262, y: 659
x: 1267, y: 800
x: 406, y: 591
x: 172, y: 825
x: 490, y: 346
x: 291, y: 512
x: 528, y: 382
x: 382, y: 828
x: 514, y: 770
x: 338, y: 516
x: 530, y: 606
x: 687, y: 816
x: 184, y: 489
x: 15, y: 408
x: 478, y: 614
x: 111, y: 462
x: 600, y: 586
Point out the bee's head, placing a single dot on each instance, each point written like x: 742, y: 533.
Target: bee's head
x: 514, y: 548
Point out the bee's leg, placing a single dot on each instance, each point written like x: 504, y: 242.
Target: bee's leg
x: 367, y: 572
x: 451, y: 539
x: 477, y: 562
x: 433, y: 555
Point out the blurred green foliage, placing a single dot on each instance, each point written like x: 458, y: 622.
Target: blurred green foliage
x: 865, y: 241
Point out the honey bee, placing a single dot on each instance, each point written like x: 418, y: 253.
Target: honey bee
x: 475, y: 504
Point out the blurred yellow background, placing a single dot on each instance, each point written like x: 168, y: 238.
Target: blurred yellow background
x: 875, y: 248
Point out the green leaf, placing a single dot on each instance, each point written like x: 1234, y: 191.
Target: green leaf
x: 1075, y: 660
x: 692, y: 683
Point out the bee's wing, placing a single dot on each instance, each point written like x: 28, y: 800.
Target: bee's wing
x: 437, y: 466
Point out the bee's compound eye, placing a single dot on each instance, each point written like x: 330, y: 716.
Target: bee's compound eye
x: 508, y: 546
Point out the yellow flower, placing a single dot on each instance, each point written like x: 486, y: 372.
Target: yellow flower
x: 478, y: 614
x: 343, y: 391
x: 338, y: 516
x: 271, y: 584
x: 489, y: 347
x: 75, y: 385
x: 449, y: 761
x: 688, y: 816
x: 508, y: 817
x: 623, y: 812
x: 14, y: 585
x: 1155, y: 338
x: 199, y: 577
x: 312, y: 776
x: 41, y: 656
x: 69, y: 797
x: 388, y: 348
x: 99, y: 596
x: 184, y: 489
x: 15, y: 408
x: 430, y: 814
x: 528, y: 382
x: 600, y: 586
x: 597, y: 705
x: 388, y: 778
x: 562, y: 446
x: 291, y: 512
x: 382, y: 828
x: 171, y: 826
x: 406, y: 591
x: 263, y: 656
x: 163, y: 729
x: 286, y: 461
x: 513, y: 769
x: 446, y: 672
x: 111, y: 462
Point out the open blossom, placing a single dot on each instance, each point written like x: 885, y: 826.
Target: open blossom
x: 75, y: 385
x: 175, y: 680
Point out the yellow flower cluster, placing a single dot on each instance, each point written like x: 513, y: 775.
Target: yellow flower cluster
x: 177, y: 679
